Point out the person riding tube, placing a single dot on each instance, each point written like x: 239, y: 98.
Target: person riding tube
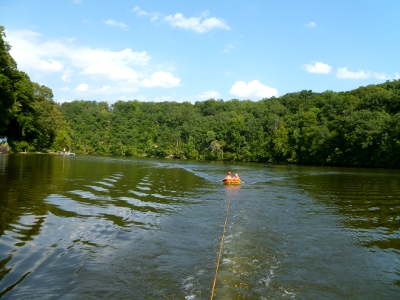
x: 231, y: 180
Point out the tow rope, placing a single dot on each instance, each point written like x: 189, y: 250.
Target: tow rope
x: 220, y: 247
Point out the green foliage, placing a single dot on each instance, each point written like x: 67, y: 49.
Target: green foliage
x: 327, y: 128
x: 8, y: 79
x: 35, y: 119
x: 62, y: 140
x: 356, y: 128
x: 29, y: 116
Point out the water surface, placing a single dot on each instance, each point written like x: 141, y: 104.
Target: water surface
x: 99, y: 227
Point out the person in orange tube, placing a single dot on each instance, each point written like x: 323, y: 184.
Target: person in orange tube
x: 236, y: 176
x: 228, y: 176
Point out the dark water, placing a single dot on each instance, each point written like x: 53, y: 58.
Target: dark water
x: 115, y: 228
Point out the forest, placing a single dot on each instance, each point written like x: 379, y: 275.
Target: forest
x: 360, y: 127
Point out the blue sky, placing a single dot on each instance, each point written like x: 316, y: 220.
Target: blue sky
x: 195, y: 50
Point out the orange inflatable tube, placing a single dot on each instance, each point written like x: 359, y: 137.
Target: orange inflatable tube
x: 232, y: 181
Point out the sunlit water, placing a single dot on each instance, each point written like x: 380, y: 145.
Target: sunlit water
x: 117, y: 228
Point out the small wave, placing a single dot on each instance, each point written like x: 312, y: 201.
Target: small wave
x: 160, y: 196
x: 120, y: 215
x: 117, y: 175
x: 105, y: 183
x: 138, y: 193
x: 89, y: 195
x: 111, y: 179
x: 140, y: 203
x: 97, y: 188
x: 143, y: 188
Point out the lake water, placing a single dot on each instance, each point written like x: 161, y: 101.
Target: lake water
x: 89, y: 227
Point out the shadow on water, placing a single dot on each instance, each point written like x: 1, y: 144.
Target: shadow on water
x: 21, y: 213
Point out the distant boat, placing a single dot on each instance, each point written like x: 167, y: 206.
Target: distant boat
x: 67, y: 153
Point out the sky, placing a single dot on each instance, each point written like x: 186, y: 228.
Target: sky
x: 189, y: 51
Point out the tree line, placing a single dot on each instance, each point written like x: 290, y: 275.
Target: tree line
x: 353, y: 128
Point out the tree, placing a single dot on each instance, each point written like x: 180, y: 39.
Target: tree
x: 29, y: 116
x: 62, y: 140
x: 49, y: 122
x: 8, y: 79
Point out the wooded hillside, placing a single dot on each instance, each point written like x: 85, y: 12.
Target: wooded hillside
x: 355, y: 128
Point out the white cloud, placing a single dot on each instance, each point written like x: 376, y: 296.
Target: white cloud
x: 199, y: 24
x: 163, y: 99
x: 50, y: 66
x: 139, y: 11
x: 209, y: 94
x: 103, y: 90
x: 318, y: 67
x: 30, y: 57
x: 311, y: 24
x: 343, y: 73
x: 83, y: 87
x: 161, y: 79
x: 36, y: 57
x: 67, y: 75
x: 195, y: 23
x: 111, y: 72
x: 154, y: 16
x: 254, y: 89
x: 396, y: 75
x: 27, y: 49
x: 124, y: 70
x: 101, y: 59
x: 115, y: 23
x: 93, y: 71
x: 381, y: 76
x: 78, y: 1
x: 228, y: 48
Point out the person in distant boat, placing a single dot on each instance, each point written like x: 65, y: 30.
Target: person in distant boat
x: 228, y: 176
x: 236, y: 176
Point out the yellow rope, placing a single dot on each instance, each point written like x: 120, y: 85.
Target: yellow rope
x: 220, y: 247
